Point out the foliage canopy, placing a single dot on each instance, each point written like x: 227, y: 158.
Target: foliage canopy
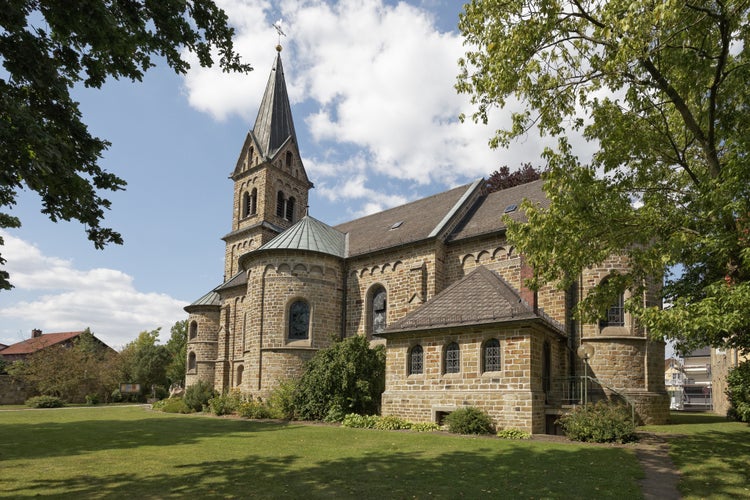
x: 660, y: 87
x: 46, y: 48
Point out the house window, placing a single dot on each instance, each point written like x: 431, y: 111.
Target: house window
x: 416, y: 360
x: 491, y: 356
x: 290, y: 209
x: 191, y: 362
x: 193, y: 330
x: 452, y: 359
x: 379, y: 309
x: 299, y: 320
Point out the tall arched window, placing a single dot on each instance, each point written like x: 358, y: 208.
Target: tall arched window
x: 238, y: 378
x: 191, y: 362
x: 246, y: 202
x: 616, y: 312
x: 416, y: 360
x: 289, y: 159
x: 280, y: 205
x: 290, y: 209
x: 299, y: 320
x: 193, y: 330
x: 379, y: 309
x: 254, y: 201
x: 491, y: 356
x: 452, y: 358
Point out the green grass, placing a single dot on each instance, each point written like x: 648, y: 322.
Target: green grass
x: 712, y: 454
x: 113, y: 452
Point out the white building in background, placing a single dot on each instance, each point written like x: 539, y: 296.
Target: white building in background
x: 697, y: 386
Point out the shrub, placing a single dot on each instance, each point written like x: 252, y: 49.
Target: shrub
x: 45, y: 402
x: 738, y: 392
x: 198, y: 394
x: 281, y: 401
x: 424, y: 426
x: 347, y: 377
x: 92, y: 399
x: 225, y: 404
x: 513, y: 434
x: 602, y: 422
x: 391, y: 423
x: 469, y: 420
x: 171, y: 405
x: 358, y: 421
x: 116, y: 396
x: 255, y: 409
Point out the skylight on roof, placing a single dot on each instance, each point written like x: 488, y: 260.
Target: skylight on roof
x: 510, y: 208
x: 397, y: 225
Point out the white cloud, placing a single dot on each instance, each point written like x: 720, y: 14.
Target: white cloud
x: 104, y: 300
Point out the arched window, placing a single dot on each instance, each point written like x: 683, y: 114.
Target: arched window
x: 254, y: 201
x: 416, y: 360
x: 299, y: 320
x: 452, y: 358
x: 245, y: 204
x: 280, y: 205
x: 616, y: 312
x: 191, y: 362
x: 491, y: 356
x: 290, y: 209
x: 289, y: 158
x: 379, y: 309
x: 193, y: 330
x: 238, y: 378
x: 250, y: 153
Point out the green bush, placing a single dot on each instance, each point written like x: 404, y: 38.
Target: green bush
x: 391, y: 423
x: 171, y: 405
x: 92, y: 399
x: 603, y: 422
x: 44, y: 402
x: 469, y: 420
x: 424, y: 427
x: 225, y: 404
x: 738, y: 392
x: 198, y: 394
x: 116, y: 396
x: 281, y: 401
x: 347, y: 377
x: 358, y: 421
x: 513, y: 434
x: 255, y: 409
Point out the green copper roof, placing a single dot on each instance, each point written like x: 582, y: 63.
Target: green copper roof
x: 312, y: 235
x: 274, y: 124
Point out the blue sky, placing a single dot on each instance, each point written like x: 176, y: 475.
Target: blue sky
x: 371, y: 84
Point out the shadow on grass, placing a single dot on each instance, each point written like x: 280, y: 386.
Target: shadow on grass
x: 30, y: 441
x: 715, y: 464
x: 513, y: 471
x: 678, y: 418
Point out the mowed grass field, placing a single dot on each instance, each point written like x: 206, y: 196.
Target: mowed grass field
x: 132, y: 452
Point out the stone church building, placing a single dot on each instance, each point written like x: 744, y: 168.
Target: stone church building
x: 434, y: 280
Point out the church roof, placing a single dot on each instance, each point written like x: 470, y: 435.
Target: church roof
x: 210, y: 299
x: 481, y: 297
x: 408, y: 223
x: 274, y: 124
x: 312, y: 235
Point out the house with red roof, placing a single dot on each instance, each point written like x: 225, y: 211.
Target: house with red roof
x: 39, y: 341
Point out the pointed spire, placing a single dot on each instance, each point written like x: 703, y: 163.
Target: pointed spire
x: 274, y: 124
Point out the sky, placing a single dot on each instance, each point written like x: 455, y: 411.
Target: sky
x: 371, y: 83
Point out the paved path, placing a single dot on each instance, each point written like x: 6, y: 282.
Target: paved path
x: 660, y: 481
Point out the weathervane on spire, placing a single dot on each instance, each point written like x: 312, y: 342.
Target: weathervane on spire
x: 279, y: 31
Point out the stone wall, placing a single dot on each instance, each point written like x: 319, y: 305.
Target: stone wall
x: 13, y: 392
x: 204, y: 345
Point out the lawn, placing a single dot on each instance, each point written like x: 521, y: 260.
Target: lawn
x: 113, y: 452
x: 712, y: 454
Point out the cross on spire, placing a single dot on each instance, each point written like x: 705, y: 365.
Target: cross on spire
x: 280, y: 32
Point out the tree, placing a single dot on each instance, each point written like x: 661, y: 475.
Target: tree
x: 177, y: 349
x: 46, y: 48
x: 661, y: 87
x: 145, y: 362
x: 503, y: 178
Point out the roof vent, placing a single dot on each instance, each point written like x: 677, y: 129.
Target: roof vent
x: 510, y: 208
x: 397, y: 225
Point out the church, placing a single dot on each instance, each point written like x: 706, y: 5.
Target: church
x: 434, y: 280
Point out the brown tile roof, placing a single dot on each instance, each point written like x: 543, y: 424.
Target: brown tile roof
x: 418, y: 220
x: 487, y: 215
x: 481, y: 297
x: 35, y: 344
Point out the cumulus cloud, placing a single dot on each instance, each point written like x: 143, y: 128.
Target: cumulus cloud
x: 377, y: 84
x: 72, y: 299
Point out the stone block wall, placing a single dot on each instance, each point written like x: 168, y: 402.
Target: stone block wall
x: 204, y: 345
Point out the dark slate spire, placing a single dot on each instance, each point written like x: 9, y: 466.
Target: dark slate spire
x: 274, y: 124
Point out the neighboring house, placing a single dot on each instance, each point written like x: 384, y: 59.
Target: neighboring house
x: 723, y: 360
x: 435, y: 280
x: 674, y: 380
x: 697, y: 387
x: 39, y: 341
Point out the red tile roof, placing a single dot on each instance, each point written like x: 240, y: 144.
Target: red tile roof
x: 35, y: 344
